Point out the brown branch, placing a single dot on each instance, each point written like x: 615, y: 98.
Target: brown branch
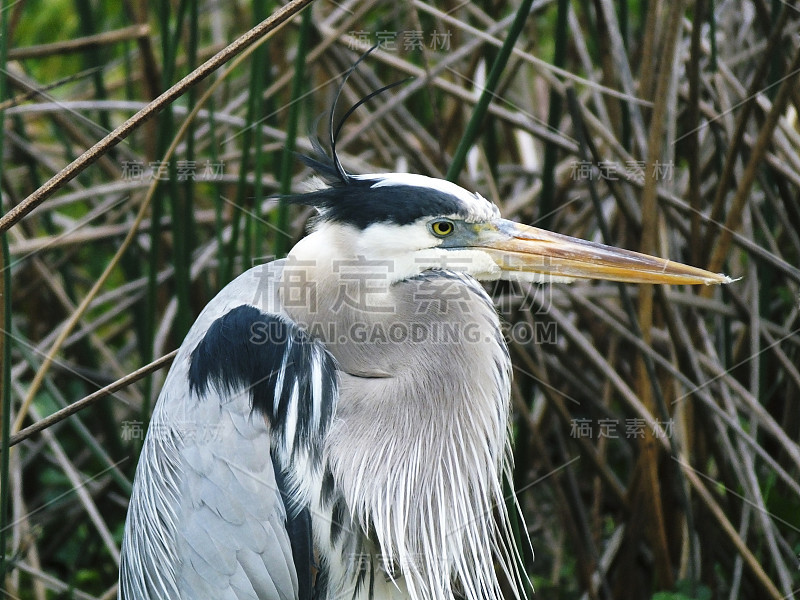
x: 85, y: 43
x: 120, y: 133
x: 86, y: 401
x: 647, y: 486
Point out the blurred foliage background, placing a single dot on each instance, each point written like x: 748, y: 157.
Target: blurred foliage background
x: 656, y: 429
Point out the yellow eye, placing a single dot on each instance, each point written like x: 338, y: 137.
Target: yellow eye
x: 442, y: 228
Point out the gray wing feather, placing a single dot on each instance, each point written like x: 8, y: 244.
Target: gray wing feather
x: 232, y: 527
x: 207, y: 519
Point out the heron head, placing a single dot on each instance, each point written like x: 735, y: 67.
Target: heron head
x: 422, y: 223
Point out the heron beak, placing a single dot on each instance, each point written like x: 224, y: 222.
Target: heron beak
x: 524, y: 252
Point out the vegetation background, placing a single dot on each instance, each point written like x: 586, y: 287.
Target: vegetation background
x: 656, y: 428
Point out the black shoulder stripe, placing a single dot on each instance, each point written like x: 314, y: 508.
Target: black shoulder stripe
x: 284, y: 370
x: 339, y: 514
x: 321, y: 582
x: 298, y: 526
x: 328, y: 486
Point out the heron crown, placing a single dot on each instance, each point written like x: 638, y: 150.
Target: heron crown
x: 389, y: 198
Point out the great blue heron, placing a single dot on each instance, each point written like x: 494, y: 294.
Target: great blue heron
x: 335, y: 424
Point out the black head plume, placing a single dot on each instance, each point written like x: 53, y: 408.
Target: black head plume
x: 330, y: 168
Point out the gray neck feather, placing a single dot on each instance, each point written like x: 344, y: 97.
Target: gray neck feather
x: 420, y: 440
